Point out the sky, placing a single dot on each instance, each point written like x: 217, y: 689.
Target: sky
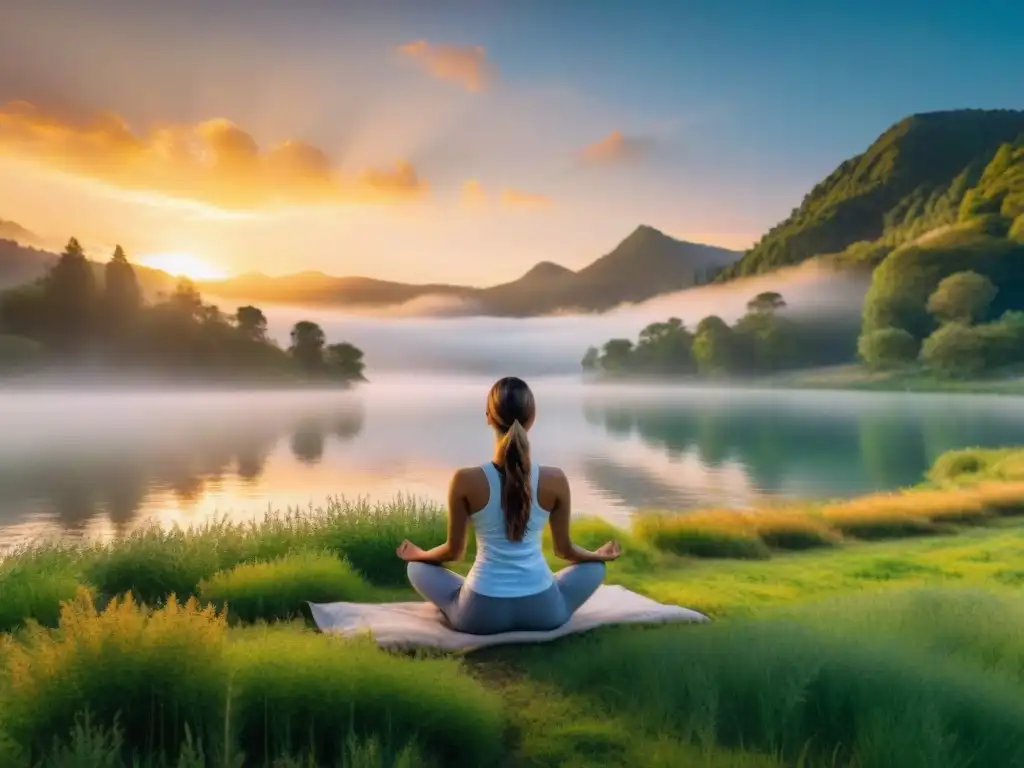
x: 457, y: 141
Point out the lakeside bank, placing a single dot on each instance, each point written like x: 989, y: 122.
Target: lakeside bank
x: 868, y: 676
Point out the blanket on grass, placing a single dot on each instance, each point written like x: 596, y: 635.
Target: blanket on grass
x: 419, y: 624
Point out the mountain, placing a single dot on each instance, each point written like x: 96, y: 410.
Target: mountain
x: 11, y: 230
x: 913, y: 179
x: 648, y: 263
x: 20, y: 264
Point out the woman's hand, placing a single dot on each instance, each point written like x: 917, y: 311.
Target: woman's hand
x: 409, y: 552
x: 609, y: 551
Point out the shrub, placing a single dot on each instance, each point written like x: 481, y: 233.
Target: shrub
x: 153, y: 564
x: 279, y: 589
x: 955, y: 351
x: 1003, y: 499
x: 367, y: 536
x: 700, y: 538
x: 34, y: 583
x: 299, y: 691
x: 792, y: 530
x: 153, y: 674
x: 887, y: 348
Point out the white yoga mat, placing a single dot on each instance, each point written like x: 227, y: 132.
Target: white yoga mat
x: 419, y: 624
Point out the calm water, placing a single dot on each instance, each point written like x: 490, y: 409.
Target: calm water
x: 98, y: 464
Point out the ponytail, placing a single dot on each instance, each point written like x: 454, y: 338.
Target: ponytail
x: 516, y: 490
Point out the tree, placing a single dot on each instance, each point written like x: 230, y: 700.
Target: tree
x: 615, y: 356
x: 591, y: 359
x: 70, y: 290
x: 763, y: 338
x: 307, y: 346
x: 664, y: 348
x: 252, y: 323
x: 766, y: 302
x: 121, y: 293
x: 344, y: 361
x: 887, y: 348
x: 714, y: 346
x: 956, y: 350
x: 963, y: 297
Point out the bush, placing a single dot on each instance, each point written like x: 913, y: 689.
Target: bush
x: 299, y: 691
x: 152, y: 674
x: 34, y: 583
x: 279, y: 589
x: 955, y: 351
x: 793, y: 530
x: 887, y: 348
x: 698, y: 538
x: 152, y: 564
x: 837, y: 699
x: 368, y: 536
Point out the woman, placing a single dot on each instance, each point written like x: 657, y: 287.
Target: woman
x: 509, y: 500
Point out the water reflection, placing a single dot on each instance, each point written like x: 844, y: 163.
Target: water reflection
x: 69, y: 486
x: 817, y: 445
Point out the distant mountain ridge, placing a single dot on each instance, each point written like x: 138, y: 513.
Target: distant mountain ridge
x: 646, y: 264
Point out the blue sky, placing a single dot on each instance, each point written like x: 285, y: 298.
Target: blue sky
x: 739, y: 107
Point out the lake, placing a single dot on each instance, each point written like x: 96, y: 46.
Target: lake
x: 99, y: 463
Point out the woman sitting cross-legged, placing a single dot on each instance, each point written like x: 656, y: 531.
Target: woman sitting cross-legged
x: 508, y: 500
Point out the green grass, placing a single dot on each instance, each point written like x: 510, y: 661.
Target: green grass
x: 279, y: 589
x: 829, y: 648
x: 857, y: 377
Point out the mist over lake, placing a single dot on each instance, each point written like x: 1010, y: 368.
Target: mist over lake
x: 100, y: 463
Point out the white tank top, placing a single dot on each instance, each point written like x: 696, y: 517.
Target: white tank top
x: 506, y: 568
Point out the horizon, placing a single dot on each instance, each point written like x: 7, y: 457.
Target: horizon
x: 466, y: 130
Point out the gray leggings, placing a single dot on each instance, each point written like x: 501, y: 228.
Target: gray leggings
x: 476, y: 614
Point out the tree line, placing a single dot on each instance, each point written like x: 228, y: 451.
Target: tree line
x: 762, y: 341
x: 68, y: 318
x: 961, y: 346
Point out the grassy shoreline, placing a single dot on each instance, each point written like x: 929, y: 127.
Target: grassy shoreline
x: 850, y: 633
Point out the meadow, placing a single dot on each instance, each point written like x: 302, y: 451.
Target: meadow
x: 880, y: 631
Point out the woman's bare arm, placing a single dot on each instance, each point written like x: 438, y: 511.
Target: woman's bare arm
x: 559, y: 522
x: 458, y: 521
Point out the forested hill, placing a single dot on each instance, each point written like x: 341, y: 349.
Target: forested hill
x: 919, y: 175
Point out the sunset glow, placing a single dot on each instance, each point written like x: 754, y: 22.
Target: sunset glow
x: 184, y: 265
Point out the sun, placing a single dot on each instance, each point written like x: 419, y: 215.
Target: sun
x: 184, y: 265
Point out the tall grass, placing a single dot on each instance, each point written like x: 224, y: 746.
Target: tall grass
x: 279, y: 589
x: 170, y: 683
x: 797, y: 687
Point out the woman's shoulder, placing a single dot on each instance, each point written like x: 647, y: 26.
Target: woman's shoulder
x: 554, y: 476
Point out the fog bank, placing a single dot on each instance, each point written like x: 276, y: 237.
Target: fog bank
x: 440, y: 341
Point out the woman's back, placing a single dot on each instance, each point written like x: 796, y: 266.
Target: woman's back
x: 506, y: 568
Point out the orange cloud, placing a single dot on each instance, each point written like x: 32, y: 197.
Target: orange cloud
x: 214, y: 162
x: 464, y: 65
x: 615, y: 148
x: 516, y: 197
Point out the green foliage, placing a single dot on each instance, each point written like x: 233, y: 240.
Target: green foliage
x: 762, y: 341
x: 19, y: 352
x: 179, y: 334
x: 956, y: 350
x: 153, y: 674
x: 319, y: 689
x: 963, y: 297
x: 681, y: 537
x: 912, y: 179
x: 866, y: 683
x: 902, y: 285
x: 279, y: 589
x: 887, y: 348
x: 33, y: 583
